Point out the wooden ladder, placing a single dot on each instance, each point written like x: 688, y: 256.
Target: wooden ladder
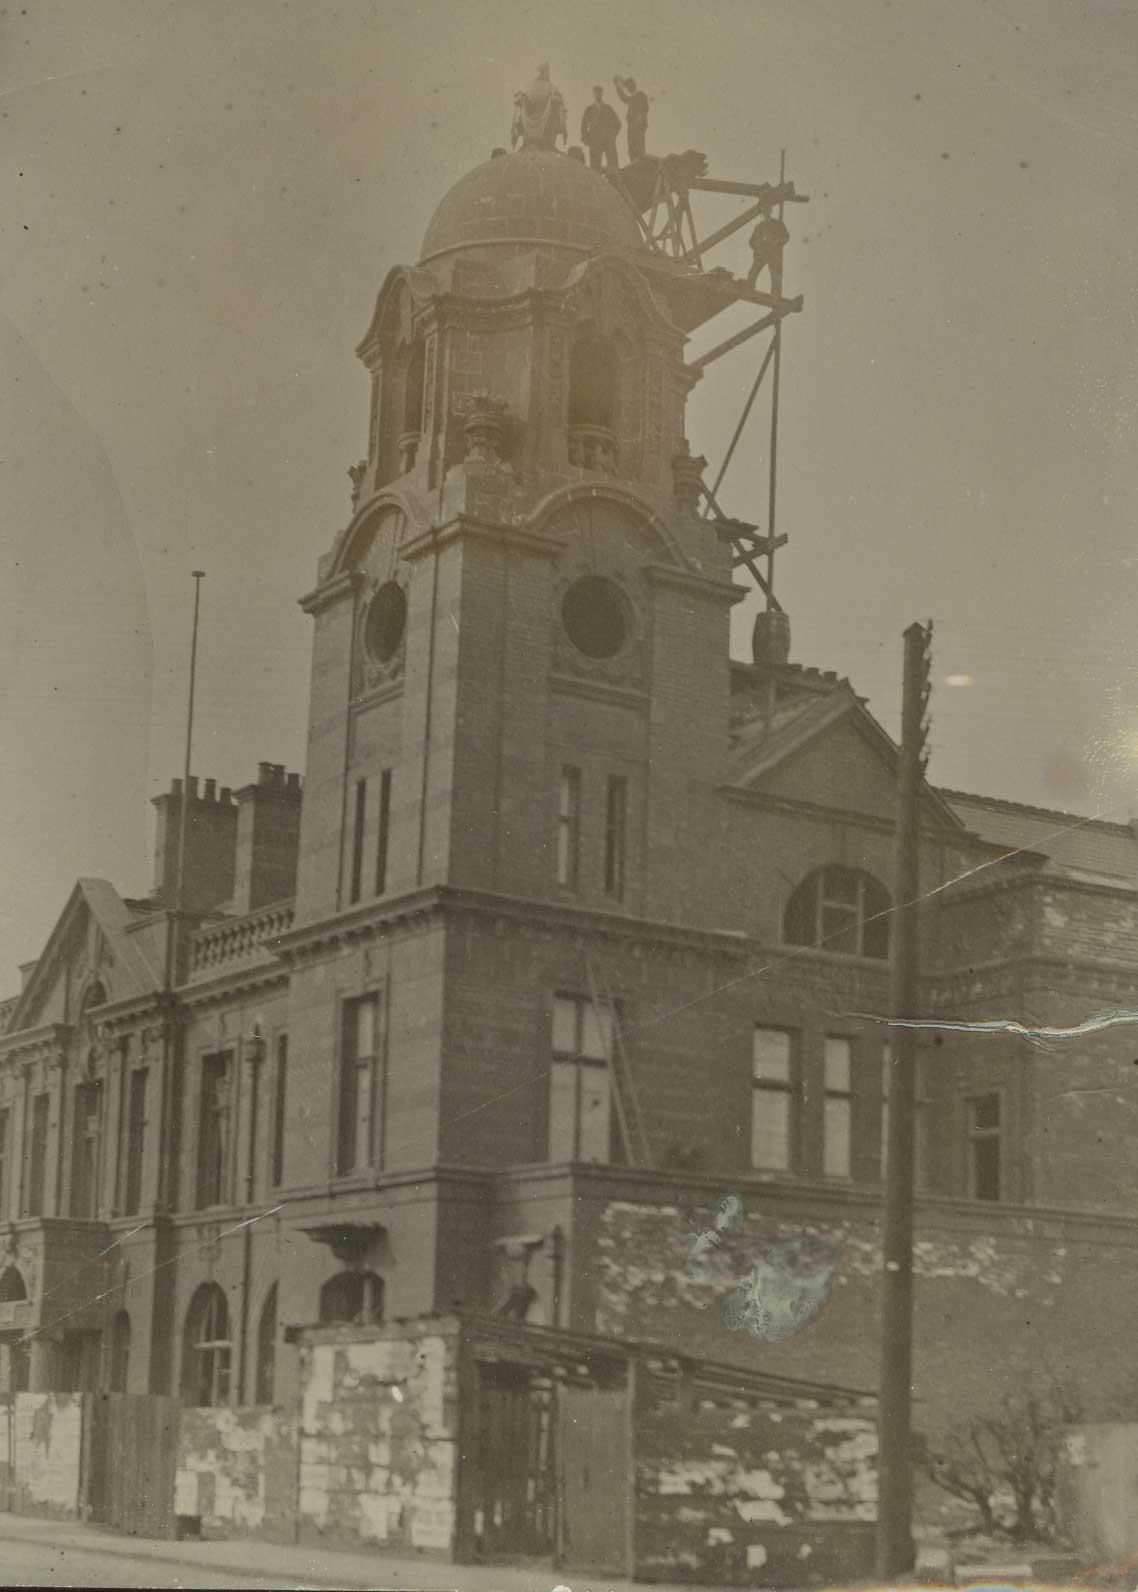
x: 629, y: 1118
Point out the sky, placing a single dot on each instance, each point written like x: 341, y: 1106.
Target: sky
x: 200, y: 202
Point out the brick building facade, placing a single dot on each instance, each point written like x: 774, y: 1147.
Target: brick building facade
x: 550, y: 836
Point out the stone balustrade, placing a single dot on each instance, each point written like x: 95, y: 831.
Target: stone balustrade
x: 235, y: 941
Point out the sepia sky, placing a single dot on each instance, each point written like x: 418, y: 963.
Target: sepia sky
x: 200, y: 202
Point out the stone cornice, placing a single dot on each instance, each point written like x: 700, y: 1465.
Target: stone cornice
x: 589, y: 1181
x: 259, y: 976
x: 439, y: 901
x: 34, y: 1044
x: 1034, y: 878
x: 517, y: 538
x: 723, y: 591
x: 600, y: 691
x: 332, y: 591
x: 1057, y: 972
x: 796, y: 807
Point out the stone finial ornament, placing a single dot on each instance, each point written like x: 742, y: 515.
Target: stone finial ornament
x: 687, y: 473
x: 539, y: 114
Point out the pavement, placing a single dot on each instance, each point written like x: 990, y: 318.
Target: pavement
x: 35, y: 1552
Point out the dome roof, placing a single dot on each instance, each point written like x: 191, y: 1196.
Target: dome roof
x: 532, y: 197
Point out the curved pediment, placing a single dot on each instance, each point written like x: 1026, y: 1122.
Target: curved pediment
x: 609, y: 290
x: 405, y: 290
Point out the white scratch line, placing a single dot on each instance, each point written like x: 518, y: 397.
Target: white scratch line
x: 1006, y: 1025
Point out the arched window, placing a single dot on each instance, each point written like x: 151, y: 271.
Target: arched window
x: 94, y: 995
x: 839, y: 909
x: 352, y: 1297
x: 12, y: 1289
x: 413, y: 388
x: 593, y: 381
x: 120, y: 1352
x: 206, y: 1348
x: 267, y: 1347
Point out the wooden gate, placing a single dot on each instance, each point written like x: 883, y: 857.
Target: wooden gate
x: 514, y: 1501
x: 129, y: 1460
x: 595, y: 1456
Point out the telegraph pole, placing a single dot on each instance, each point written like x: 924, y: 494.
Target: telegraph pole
x: 895, y: 1551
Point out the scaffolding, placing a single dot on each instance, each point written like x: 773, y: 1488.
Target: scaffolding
x: 659, y: 191
x: 663, y: 192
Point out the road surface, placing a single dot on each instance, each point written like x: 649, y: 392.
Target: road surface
x: 25, y: 1563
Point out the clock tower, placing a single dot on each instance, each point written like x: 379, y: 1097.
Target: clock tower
x: 525, y: 586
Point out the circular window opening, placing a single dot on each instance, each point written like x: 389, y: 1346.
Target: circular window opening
x: 595, y: 617
x: 386, y: 621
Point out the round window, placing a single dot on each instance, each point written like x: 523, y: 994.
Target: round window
x: 385, y: 622
x: 595, y: 616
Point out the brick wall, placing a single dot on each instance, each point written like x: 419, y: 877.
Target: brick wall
x: 739, y: 1492
x: 41, y: 1453
x: 378, y: 1446
x: 999, y: 1294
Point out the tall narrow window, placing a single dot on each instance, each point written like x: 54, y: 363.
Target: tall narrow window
x: 616, y: 824
x: 5, y: 1162
x: 580, y: 1099
x: 359, y: 1104
x: 358, y: 822
x: 569, y: 827
x: 135, y: 1142
x: 280, y: 1101
x: 37, y: 1154
x: 267, y: 1348
x: 773, y: 1097
x: 837, y: 1107
x: 206, y: 1348
x: 984, y: 1172
x: 214, y: 1131
x: 86, y: 1142
x: 921, y: 1114
x: 382, y: 839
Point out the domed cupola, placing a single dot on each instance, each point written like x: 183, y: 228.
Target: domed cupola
x: 535, y: 199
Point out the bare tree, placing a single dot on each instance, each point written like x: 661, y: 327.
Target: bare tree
x: 1005, y: 1461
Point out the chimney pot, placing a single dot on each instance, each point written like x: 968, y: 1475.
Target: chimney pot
x: 193, y: 787
x: 264, y: 773
x: 293, y: 781
x: 226, y: 794
x: 211, y: 790
x: 175, y: 787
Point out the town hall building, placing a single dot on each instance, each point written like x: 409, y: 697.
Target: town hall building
x: 570, y: 927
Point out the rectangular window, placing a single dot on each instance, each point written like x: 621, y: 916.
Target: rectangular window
x: 984, y: 1147
x: 837, y: 1106
x: 569, y: 827
x: 773, y: 1090
x: 358, y: 822
x: 359, y: 1106
x: 86, y: 1141
x: 214, y: 1131
x: 5, y: 1163
x: 37, y: 1154
x: 135, y: 1142
x: 384, y: 832
x: 616, y: 824
x: 280, y: 1099
x: 580, y: 1085
x: 921, y: 1115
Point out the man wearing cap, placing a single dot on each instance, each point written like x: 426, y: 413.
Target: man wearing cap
x: 766, y: 243
x: 599, y: 127
x: 637, y: 118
